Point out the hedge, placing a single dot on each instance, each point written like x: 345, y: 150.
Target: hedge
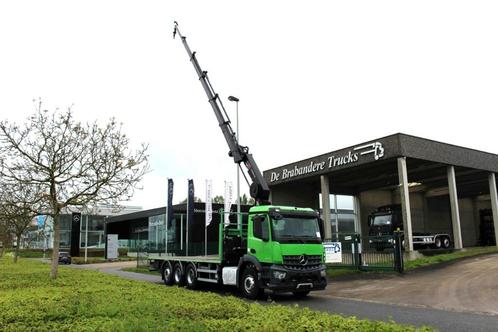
x: 82, y: 300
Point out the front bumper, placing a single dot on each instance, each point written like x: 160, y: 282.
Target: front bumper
x: 308, y: 280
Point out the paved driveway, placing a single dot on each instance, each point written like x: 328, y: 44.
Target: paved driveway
x: 115, y: 268
x: 469, y: 285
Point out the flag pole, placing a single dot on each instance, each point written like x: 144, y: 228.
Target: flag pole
x: 205, y: 223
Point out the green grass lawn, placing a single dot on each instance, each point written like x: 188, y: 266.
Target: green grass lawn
x: 83, y: 300
x: 437, y: 259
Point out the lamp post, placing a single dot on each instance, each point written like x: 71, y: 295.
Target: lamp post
x: 236, y: 100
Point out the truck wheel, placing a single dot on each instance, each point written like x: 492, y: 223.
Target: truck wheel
x: 438, y: 243
x: 178, y: 275
x: 446, y: 242
x: 301, y: 294
x: 191, y: 276
x: 249, y: 285
x: 167, y: 272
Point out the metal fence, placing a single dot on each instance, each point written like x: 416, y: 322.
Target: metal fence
x: 370, y: 252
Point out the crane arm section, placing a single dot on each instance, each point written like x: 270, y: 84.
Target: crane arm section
x: 259, y: 188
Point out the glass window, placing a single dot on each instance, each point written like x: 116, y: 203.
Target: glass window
x: 382, y: 220
x: 295, y: 229
x: 260, y: 227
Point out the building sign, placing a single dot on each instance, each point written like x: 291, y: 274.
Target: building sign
x: 328, y: 162
x: 112, y: 246
x: 75, y: 234
x: 333, y: 252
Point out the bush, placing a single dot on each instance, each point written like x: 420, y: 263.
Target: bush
x: 83, y: 300
x: 94, y: 260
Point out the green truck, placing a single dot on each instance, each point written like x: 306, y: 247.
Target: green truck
x: 278, y: 248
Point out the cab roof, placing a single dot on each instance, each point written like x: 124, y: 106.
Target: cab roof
x: 267, y: 208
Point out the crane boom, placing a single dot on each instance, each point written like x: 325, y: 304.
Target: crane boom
x: 259, y: 188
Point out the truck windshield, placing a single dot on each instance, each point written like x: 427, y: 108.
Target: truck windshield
x: 382, y: 220
x: 295, y: 230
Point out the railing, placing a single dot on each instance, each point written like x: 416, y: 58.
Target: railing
x: 370, y: 252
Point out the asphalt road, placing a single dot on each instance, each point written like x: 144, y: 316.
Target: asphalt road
x: 411, y: 311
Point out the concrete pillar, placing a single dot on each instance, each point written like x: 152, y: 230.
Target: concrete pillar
x: 324, y: 184
x: 357, y: 215
x: 405, y: 203
x: 494, y: 202
x: 455, y: 212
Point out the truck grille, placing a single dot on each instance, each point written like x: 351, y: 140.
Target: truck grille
x: 301, y: 262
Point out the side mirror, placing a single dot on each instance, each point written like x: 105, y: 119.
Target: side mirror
x: 369, y: 221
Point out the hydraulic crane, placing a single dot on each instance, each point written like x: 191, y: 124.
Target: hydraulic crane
x: 258, y: 188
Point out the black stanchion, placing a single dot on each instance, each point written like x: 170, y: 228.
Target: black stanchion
x: 398, y: 252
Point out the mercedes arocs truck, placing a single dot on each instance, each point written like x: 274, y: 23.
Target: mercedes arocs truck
x: 279, y: 249
x: 385, y: 220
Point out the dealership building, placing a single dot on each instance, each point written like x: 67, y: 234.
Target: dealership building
x: 442, y: 188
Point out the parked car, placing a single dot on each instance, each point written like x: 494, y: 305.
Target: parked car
x: 64, y: 257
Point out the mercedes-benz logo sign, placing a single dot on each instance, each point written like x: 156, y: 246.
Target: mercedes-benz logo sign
x: 303, y: 259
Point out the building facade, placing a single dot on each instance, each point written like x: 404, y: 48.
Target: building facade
x: 440, y: 187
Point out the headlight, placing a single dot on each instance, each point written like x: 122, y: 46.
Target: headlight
x: 323, y: 273
x: 279, y: 275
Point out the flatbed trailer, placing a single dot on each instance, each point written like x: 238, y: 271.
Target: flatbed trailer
x: 200, y: 259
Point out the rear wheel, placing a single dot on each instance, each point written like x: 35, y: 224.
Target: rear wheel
x: 178, y: 275
x: 167, y: 272
x: 438, y: 243
x: 191, y: 276
x: 301, y: 294
x: 446, y: 242
x: 250, y: 284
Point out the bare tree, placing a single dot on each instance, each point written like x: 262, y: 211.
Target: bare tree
x: 218, y: 199
x: 5, y: 236
x: 196, y: 200
x: 19, y: 204
x: 76, y: 163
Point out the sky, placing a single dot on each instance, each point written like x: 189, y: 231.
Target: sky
x: 312, y: 77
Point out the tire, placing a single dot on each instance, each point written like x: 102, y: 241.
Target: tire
x: 438, y: 243
x: 301, y: 294
x: 178, y: 275
x: 191, y: 276
x: 167, y: 273
x: 250, y: 284
x: 446, y: 242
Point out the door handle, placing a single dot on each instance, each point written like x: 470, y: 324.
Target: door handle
x: 252, y: 251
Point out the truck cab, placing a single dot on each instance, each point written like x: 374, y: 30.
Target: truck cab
x: 385, y: 220
x: 284, y: 251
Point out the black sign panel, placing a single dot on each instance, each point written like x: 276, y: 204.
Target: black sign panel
x: 190, y: 202
x: 170, y: 216
x: 75, y: 234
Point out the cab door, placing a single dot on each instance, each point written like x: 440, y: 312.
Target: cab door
x: 259, y: 239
